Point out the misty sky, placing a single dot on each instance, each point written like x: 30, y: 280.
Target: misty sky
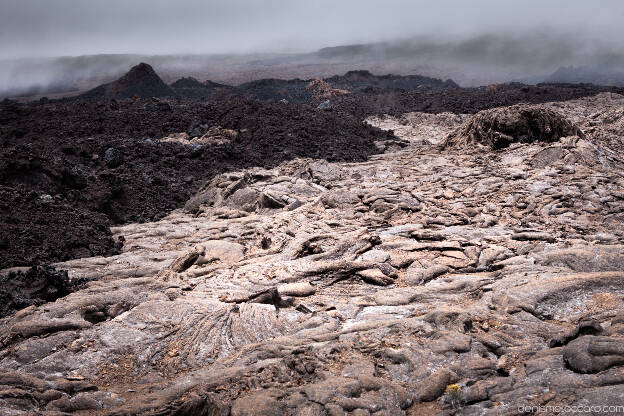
x: 30, y: 28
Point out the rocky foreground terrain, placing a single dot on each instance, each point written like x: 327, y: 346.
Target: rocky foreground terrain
x: 477, y: 270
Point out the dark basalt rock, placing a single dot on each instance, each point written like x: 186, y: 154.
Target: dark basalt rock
x: 592, y: 354
x: 20, y: 289
x: 188, y: 82
x: 112, y: 157
x: 38, y: 228
x: 140, y: 81
x: 522, y: 307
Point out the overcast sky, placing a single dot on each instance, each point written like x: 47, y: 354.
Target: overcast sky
x: 31, y: 28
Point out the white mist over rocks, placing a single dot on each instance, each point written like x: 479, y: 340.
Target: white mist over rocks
x: 475, y: 42
x: 74, y: 27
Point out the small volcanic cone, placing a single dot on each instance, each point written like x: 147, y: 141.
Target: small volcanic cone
x: 497, y: 128
x: 140, y: 81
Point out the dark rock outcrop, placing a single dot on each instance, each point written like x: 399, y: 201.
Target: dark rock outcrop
x: 141, y: 81
x: 188, y: 82
x: 35, y: 286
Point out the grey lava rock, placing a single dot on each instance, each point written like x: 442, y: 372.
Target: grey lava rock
x: 325, y: 105
x: 591, y: 354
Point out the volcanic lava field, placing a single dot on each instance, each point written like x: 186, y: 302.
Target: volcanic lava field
x: 354, y: 245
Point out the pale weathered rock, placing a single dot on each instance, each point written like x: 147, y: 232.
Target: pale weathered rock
x: 375, y: 276
x: 261, y: 404
x: 296, y: 289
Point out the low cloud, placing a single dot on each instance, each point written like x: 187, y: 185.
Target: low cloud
x: 473, y: 42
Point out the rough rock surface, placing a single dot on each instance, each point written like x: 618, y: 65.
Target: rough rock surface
x: 500, y: 127
x: 417, y: 282
x: 375, y: 101
x: 70, y: 170
x: 35, y: 286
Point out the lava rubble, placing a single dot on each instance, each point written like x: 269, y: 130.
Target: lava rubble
x: 420, y: 280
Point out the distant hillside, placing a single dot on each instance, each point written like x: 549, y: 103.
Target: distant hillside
x: 363, y: 79
x: 143, y: 81
x: 140, y: 81
x: 584, y: 74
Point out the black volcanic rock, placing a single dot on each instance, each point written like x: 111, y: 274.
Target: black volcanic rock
x: 141, y: 81
x: 189, y: 87
x: 59, y: 193
x: 212, y: 84
x: 357, y: 80
x: 38, y: 228
x: 271, y: 89
x: 35, y: 286
x: 298, y: 90
x: 378, y: 101
x: 188, y: 82
x: 359, y: 76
